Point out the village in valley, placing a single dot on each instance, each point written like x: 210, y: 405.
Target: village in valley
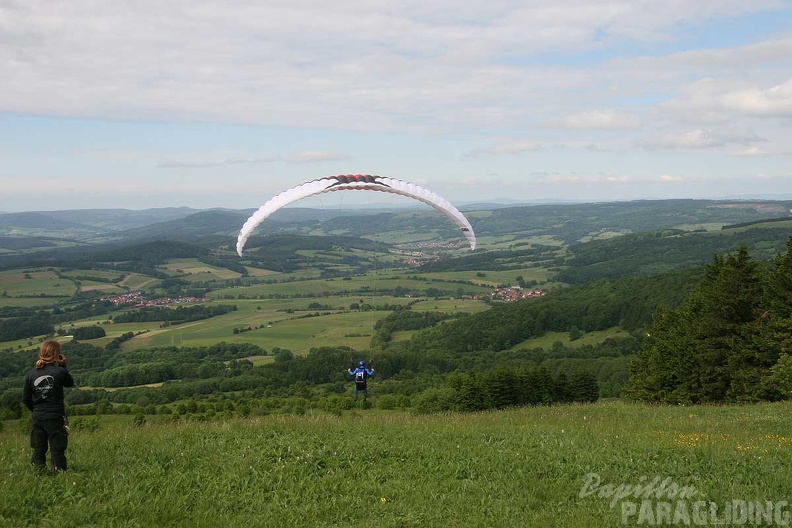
x: 516, y: 293
x: 138, y: 300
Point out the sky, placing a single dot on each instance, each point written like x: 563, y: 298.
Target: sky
x: 205, y: 104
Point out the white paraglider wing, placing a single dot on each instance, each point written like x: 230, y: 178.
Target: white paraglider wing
x: 360, y: 182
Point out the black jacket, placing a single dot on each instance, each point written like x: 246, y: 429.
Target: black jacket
x: 43, y: 392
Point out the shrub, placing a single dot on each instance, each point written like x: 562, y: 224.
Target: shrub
x: 88, y: 424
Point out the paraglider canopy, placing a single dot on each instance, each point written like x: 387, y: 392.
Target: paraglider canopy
x: 360, y: 182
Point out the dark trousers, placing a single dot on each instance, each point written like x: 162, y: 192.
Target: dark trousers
x: 50, y: 434
x: 360, y: 387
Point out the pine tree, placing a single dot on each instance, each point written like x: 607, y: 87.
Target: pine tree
x: 706, y: 350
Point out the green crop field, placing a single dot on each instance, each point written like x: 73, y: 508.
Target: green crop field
x: 289, y: 331
x: 373, y: 283
x: 589, y: 338
x: 490, y: 279
x: 18, y: 283
x: 198, y: 271
x: 135, y: 281
x: 28, y: 302
x: 103, y: 287
x: 450, y: 306
x: 599, y: 465
x: 103, y: 274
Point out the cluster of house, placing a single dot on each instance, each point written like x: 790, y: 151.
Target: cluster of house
x: 137, y: 300
x: 416, y: 262
x: 515, y: 293
x: 509, y: 293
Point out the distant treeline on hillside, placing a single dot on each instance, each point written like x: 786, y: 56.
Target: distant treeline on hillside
x: 281, y: 252
x: 656, y: 252
x: 627, y: 302
x: 180, y: 314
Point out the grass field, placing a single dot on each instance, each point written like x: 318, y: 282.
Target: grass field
x: 135, y: 281
x: 18, y: 283
x: 323, y: 287
x: 103, y: 287
x: 290, y: 331
x: 196, y: 270
x: 589, y: 338
x: 544, y: 466
x: 28, y: 302
x: 508, y: 241
x: 491, y: 279
x: 450, y: 306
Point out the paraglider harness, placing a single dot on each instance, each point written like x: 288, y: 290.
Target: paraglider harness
x: 361, y: 375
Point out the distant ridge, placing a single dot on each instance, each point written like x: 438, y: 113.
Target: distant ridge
x: 203, y: 223
x: 119, y: 219
x: 35, y: 220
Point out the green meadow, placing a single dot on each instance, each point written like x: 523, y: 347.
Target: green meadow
x: 371, y: 283
x: 290, y: 331
x: 491, y: 279
x: 296, y: 325
x: 19, y: 283
x: 29, y: 302
x: 589, y: 338
x: 136, y: 281
x: 564, y: 466
x: 195, y: 270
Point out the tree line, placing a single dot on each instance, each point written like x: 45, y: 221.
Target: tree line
x: 180, y: 314
x: 730, y: 340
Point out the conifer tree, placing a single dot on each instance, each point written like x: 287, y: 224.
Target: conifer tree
x: 711, y: 347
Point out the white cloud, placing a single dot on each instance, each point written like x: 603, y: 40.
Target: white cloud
x: 316, y: 156
x: 721, y: 101
x: 584, y: 178
x: 598, y: 119
x: 302, y: 157
x: 671, y: 178
x: 400, y: 86
x: 512, y: 148
x: 701, y: 139
x: 775, y: 101
x: 761, y: 152
x: 352, y: 65
x: 746, y: 57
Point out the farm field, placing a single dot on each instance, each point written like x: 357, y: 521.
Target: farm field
x: 450, y: 306
x: 29, y: 302
x: 324, y: 287
x: 539, y: 466
x: 196, y: 270
x: 589, y: 338
x: 289, y: 331
x: 19, y: 283
x: 491, y: 279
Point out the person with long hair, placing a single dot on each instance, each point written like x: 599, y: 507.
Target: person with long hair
x: 43, y: 395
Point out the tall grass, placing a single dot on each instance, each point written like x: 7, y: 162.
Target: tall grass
x: 521, y: 467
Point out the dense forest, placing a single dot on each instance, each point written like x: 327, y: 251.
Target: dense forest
x: 650, y: 253
x: 730, y: 340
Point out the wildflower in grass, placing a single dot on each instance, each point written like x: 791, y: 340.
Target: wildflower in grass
x: 699, y: 439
